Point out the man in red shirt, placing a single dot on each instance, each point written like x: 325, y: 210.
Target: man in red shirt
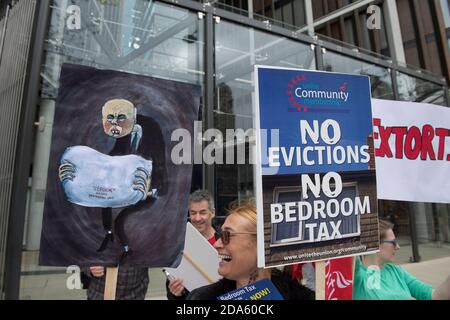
x: 201, y: 214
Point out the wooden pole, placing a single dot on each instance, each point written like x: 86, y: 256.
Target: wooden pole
x: 353, y: 274
x: 320, y: 280
x: 199, y: 269
x: 111, y: 283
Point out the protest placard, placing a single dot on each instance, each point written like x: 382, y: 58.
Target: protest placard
x: 412, y: 151
x: 315, y: 173
x: 200, y: 261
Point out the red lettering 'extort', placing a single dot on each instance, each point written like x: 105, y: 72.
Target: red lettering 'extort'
x: 411, y: 142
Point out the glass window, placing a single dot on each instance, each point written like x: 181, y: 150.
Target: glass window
x: 278, y: 16
x: 287, y: 14
x: 136, y: 36
x: 318, y: 9
x: 418, y: 90
x: 238, y: 49
x: 408, y: 25
x: 299, y: 13
x: 380, y: 78
x: 258, y: 6
x: 431, y: 36
x: 366, y: 41
x: 350, y: 31
x: 332, y: 5
x: 384, y: 45
x: 268, y: 8
x: 446, y: 12
x: 336, y: 31
x: 236, y: 6
x: 429, y: 57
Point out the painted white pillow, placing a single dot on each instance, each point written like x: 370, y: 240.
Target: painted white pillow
x: 100, y: 180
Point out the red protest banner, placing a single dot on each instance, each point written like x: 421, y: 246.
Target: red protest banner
x: 339, y: 279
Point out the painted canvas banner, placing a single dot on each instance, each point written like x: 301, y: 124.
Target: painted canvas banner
x: 113, y: 194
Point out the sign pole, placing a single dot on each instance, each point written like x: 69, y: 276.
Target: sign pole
x: 111, y: 283
x: 320, y: 280
x: 197, y: 267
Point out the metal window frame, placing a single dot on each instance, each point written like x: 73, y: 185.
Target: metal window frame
x: 209, y: 170
x: 24, y: 152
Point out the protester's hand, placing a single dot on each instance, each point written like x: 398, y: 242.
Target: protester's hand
x: 176, y: 286
x: 97, y: 271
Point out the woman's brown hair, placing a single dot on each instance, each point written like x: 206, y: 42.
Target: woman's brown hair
x: 383, y: 228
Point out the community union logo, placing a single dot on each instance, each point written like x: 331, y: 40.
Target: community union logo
x: 292, y: 85
x: 303, y: 95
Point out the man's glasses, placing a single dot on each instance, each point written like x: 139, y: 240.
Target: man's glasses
x: 226, y: 235
x: 393, y: 242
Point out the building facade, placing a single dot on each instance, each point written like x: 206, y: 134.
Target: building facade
x: 403, y: 46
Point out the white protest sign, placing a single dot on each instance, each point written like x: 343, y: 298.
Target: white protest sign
x: 412, y: 151
x: 200, y: 261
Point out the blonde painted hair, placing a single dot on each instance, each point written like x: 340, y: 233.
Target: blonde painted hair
x: 384, y: 226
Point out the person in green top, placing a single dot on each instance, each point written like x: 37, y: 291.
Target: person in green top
x: 377, y: 278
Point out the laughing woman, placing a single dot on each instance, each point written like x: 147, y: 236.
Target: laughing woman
x: 238, y: 262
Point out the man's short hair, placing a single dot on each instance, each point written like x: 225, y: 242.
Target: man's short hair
x: 200, y: 195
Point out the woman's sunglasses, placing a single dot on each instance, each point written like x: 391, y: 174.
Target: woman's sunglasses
x: 226, y: 235
x: 393, y: 242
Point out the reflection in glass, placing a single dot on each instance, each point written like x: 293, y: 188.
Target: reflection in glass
x: 238, y: 49
x: 288, y: 14
x: 137, y: 36
x: 418, y: 90
x: 380, y: 78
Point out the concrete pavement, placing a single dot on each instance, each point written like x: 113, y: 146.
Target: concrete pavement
x: 50, y: 283
x: 433, y: 272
